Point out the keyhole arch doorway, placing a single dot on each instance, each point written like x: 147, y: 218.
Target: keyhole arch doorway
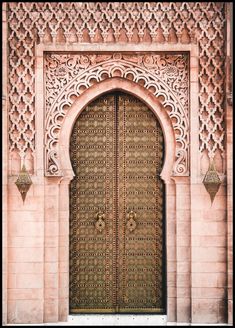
x: 117, y: 235
x: 97, y: 90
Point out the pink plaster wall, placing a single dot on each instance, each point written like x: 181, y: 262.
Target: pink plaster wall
x: 208, y: 256
x: 36, y: 235
x: 25, y: 254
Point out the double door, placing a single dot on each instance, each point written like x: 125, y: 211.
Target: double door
x: 116, y: 209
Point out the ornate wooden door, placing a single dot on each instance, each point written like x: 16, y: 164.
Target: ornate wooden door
x: 116, y: 209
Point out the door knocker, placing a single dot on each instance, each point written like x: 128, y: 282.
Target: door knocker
x: 100, y: 224
x: 131, y: 223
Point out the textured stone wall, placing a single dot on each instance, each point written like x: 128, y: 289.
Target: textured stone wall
x: 199, y: 233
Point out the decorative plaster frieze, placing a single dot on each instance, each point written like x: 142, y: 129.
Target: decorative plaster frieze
x: 68, y: 75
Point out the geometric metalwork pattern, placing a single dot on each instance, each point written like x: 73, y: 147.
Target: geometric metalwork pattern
x: 92, y: 199
x: 116, y: 208
x: 140, y: 198
x: 30, y: 23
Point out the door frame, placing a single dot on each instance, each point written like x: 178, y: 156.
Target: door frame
x: 177, y: 188
x: 128, y: 87
x: 177, y: 199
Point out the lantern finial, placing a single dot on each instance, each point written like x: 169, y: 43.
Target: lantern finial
x: 212, y: 181
x: 23, y: 182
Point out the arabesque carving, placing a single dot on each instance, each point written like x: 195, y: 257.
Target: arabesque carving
x: 99, y: 22
x: 67, y: 76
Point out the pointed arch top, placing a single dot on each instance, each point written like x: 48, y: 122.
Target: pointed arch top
x: 128, y: 87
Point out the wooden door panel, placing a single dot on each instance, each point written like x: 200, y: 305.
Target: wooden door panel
x: 116, y: 213
x: 140, y: 194
x: 92, y: 192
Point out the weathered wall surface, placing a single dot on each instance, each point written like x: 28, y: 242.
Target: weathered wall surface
x: 199, y: 234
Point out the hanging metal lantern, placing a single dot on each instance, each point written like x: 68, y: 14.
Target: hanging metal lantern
x: 212, y: 181
x: 23, y: 182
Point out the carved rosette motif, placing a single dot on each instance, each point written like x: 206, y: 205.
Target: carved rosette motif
x: 30, y: 23
x: 67, y: 76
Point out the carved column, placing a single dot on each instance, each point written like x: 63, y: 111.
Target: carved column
x: 51, y: 250
x: 170, y: 206
x: 183, y: 249
x: 64, y: 248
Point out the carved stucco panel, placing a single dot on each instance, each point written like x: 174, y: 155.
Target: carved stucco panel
x: 68, y: 75
x: 31, y: 23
